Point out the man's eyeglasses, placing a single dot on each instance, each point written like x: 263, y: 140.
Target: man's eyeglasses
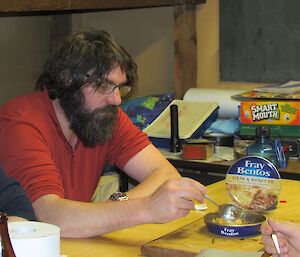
x: 107, y: 87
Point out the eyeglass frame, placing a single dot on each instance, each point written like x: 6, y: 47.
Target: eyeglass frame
x: 112, y: 85
x: 111, y: 88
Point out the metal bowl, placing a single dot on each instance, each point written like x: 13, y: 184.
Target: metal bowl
x: 250, y: 225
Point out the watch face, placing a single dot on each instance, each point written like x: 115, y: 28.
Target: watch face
x: 119, y: 196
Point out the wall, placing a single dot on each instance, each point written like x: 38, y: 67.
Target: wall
x: 264, y: 44
x: 23, y: 50
x: 208, y: 49
x: 147, y: 34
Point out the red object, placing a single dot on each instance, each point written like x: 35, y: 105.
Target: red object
x: 197, y: 151
x: 35, y: 151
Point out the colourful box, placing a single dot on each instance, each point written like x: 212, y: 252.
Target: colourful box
x: 270, y: 112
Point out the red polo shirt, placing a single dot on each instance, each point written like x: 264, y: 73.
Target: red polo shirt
x: 35, y: 151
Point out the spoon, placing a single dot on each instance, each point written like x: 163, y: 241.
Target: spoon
x: 228, y: 212
x: 231, y: 212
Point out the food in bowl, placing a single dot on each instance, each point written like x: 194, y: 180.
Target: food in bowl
x: 250, y: 225
x: 221, y: 221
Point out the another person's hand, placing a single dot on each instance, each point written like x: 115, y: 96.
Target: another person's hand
x: 288, y: 238
x: 173, y: 199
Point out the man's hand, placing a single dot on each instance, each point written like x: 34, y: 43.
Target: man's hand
x: 173, y: 199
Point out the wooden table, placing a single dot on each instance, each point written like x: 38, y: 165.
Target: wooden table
x: 179, y: 236
x: 126, y: 242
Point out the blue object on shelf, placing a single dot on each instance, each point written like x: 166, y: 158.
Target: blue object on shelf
x: 143, y: 110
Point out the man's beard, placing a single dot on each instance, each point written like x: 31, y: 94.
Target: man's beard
x: 91, y: 127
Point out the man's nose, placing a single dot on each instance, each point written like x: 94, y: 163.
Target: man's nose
x: 114, y: 98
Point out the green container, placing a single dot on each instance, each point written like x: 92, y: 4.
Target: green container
x: 275, y: 130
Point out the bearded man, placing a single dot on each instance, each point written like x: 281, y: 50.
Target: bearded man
x: 56, y: 141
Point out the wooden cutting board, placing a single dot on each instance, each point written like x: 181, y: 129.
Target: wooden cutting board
x: 191, y: 239
x: 188, y: 241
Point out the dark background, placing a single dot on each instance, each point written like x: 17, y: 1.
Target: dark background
x: 260, y: 40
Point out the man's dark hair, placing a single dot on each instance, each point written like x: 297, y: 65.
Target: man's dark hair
x: 85, y: 57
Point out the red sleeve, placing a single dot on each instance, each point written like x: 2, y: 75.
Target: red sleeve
x: 27, y: 158
x: 128, y: 140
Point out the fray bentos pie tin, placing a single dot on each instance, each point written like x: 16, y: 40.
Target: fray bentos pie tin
x: 249, y: 225
x: 253, y: 184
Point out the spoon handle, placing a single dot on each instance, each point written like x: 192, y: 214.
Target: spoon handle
x: 275, y: 240
x: 211, y: 200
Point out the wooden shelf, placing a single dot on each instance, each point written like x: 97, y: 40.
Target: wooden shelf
x: 25, y: 6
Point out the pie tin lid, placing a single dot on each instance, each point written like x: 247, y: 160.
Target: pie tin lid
x: 253, y: 183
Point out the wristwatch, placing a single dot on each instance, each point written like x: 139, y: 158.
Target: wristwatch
x: 119, y: 196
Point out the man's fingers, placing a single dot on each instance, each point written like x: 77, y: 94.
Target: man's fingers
x: 188, y: 182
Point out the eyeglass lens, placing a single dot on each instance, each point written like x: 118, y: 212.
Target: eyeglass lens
x: 107, y: 88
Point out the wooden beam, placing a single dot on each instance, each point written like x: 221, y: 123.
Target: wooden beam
x: 16, y: 6
x: 60, y: 27
x: 185, y: 47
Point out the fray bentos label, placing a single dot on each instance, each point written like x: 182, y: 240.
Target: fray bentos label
x: 270, y: 112
x: 253, y: 183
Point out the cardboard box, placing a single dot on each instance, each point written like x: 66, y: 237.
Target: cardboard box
x: 270, y: 112
x: 198, y: 149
